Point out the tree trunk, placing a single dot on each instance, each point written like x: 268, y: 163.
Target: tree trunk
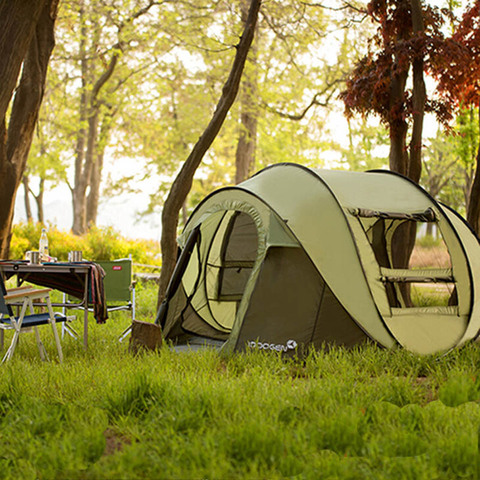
x: 401, y: 161
x: 246, y: 146
x: 26, y: 42
x: 473, y: 207
x: 398, y: 156
x: 414, y: 170
x: 84, y: 181
x: 247, y: 140
x: 78, y: 198
x: 183, y: 182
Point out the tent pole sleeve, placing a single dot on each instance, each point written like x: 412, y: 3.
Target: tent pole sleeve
x: 177, y: 275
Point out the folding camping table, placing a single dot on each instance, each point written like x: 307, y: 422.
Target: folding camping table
x: 71, y: 278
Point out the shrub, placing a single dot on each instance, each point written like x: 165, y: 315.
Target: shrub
x: 97, y: 244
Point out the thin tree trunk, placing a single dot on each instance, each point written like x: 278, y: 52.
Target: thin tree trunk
x: 398, y: 128
x: 28, y: 206
x: 94, y: 194
x: 183, y: 182
x: 247, y: 141
x: 39, y: 201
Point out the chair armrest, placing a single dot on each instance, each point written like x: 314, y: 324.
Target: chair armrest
x: 26, y: 292
x: 19, y: 289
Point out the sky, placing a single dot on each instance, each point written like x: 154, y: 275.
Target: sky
x: 120, y: 212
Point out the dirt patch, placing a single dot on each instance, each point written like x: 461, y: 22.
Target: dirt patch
x: 114, y: 442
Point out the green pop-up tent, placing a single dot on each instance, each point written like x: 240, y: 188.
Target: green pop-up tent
x: 296, y: 257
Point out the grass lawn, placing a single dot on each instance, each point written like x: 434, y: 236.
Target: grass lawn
x: 366, y: 413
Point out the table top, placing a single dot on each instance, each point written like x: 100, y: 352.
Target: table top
x: 83, y: 280
x: 19, y: 266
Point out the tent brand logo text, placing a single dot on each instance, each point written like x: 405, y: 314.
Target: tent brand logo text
x: 290, y: 345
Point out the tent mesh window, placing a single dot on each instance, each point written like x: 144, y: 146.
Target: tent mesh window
x: 414, y: 260
x: 237, y: 256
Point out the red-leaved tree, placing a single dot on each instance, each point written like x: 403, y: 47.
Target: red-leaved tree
x: 406, y: 41
x: 406, y: 44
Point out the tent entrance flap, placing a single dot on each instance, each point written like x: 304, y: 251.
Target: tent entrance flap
x: 218, y: 268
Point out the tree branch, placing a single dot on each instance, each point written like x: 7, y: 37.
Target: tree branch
x: 314, y: 102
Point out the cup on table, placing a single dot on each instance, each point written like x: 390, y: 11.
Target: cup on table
x: 33, y: 257
x: 75, y: 256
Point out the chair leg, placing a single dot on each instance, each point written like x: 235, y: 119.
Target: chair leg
x: 54, y: 329
x: 8, y: 354
x: 11, y: 349
x: 71, y: 331
x: 41, y: 348
x: 125, y: 333
x: 16, y: 334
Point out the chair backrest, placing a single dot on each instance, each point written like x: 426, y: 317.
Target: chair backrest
x: 118, y: 280
x: 4, y: 308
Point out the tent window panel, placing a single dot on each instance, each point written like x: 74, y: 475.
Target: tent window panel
x: 426, y: 247
x: 419, y: 295
x: 238, y: 253
x: 389, y: 237
x: 426, y: 252
x: 411, y: 243
x: 241, y: 241
x: 233, y: 283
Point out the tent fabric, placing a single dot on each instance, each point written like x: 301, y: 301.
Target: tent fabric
x: 294, y: 258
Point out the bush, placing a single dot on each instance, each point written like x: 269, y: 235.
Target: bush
x: 97, y: 244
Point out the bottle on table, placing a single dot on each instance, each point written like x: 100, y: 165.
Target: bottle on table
x: 43, y: 245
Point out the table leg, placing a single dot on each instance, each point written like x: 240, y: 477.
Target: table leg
x: 85, y: 314
x: 85, y: 327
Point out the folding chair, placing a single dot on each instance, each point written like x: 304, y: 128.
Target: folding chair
x: 24, y: 298
x: 119, y: 287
